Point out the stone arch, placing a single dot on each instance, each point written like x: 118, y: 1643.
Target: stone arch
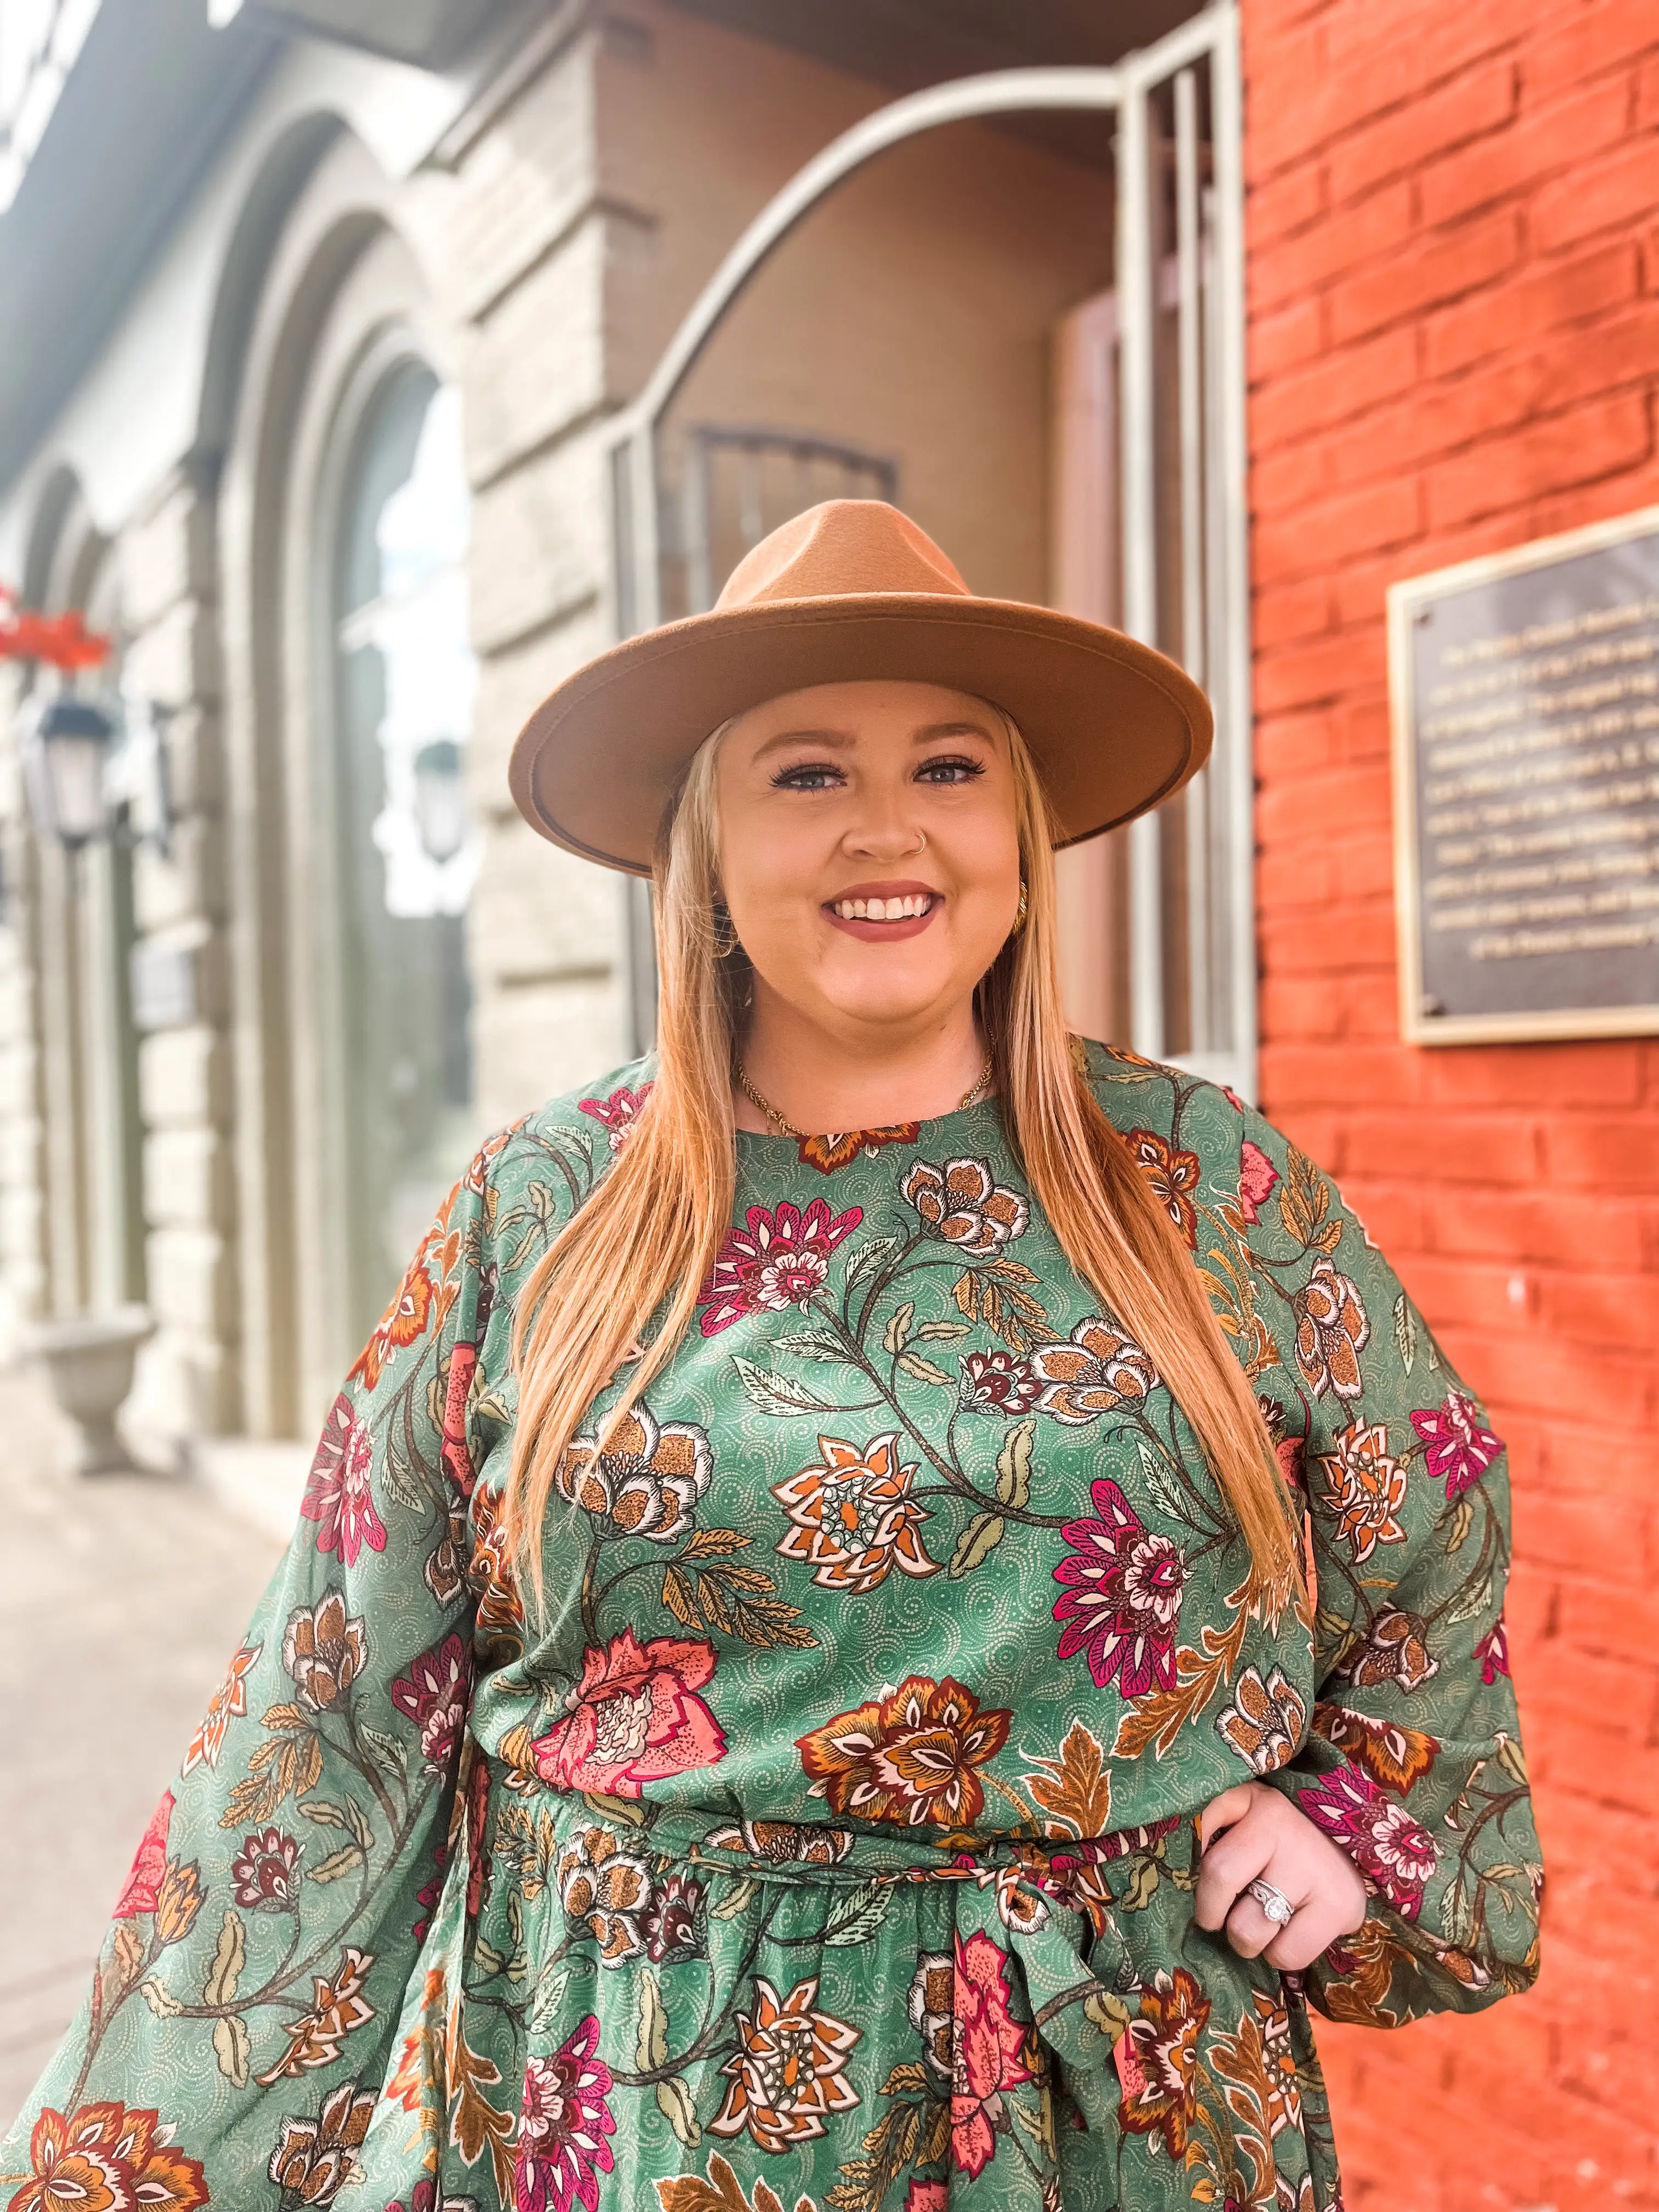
x: 343, y: 295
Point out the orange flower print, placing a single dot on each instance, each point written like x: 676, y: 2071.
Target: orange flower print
x: 964, y: 1203
x: 648, y: 1480
x: 1172, y: 1177
x: 337, y: 2007
x: 826, y: 1154
x: 1265, y: 1721
x: 605, y: 1889
x: 1332, y: 1329
x: 912, y: 1756
x: 1395, y: 1650
x: 852, y: 1517
x: 1365, y: 1489
x: 489, y: 1570
x: 1097, y: 1370
x: 324, y: 1650
x: 1160, y: 2092
x: 1395, y: 1756
x: 229, y: 1703
x: 314, y: 2159
x: 177, y: 1901
x: 107, y: 2157
x: 788, y: 2070
x: 403, y: 1320
x: 989, y: 2051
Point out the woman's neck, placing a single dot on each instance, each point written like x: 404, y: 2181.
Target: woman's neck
x: 819, y: 1082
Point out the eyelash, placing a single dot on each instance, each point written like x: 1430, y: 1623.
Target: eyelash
x: 965, y: 770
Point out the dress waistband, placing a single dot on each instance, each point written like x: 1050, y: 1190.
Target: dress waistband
x: 1058, y: 1904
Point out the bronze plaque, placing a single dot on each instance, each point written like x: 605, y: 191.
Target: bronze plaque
x: 1526, y: 783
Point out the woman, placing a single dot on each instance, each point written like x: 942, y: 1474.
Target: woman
x: 799, y: 1683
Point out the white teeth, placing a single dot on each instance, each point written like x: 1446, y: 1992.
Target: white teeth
x: 908, y: 908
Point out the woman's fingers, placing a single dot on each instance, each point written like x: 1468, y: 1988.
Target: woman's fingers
x: 1249, y: 1929
x: 1221, y: 1811
x: 1236, y: 1856
x: 1315, y: 1925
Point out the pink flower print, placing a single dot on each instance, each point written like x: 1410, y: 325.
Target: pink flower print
x: 777, y: 1259
x: 264, y: 1874
x: 143, y: 1888
x: 563, y: 2125
x: 1391, y: 1850
x: 618, y: 1113
x: 988, y: 2051
x: 1257, y: 1176
x: 1123, y: 1595
x: 1455, y: 1443
x: 338, y: 1494
x: 1493, y: 1651
x: 435, y: 1693
x: 633, y: 1717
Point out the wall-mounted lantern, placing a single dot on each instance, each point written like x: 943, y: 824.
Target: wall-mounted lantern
x: 81, y: 760
x: 66, y: 758
x: 439, y: 799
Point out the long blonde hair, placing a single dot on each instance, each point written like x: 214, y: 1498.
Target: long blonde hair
x: 648, y: 1238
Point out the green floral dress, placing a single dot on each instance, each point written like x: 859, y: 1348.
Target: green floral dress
x: 833, y: 1845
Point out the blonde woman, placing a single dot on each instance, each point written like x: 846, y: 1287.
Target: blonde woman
x: 800, y: 1681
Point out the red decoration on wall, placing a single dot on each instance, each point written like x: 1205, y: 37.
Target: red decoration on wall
x: 63, y: 640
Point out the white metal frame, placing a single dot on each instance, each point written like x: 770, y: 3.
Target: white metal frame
x: 1210, y: 441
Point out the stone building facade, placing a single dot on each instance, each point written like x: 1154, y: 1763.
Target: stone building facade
x: 197, y: 1104
x: 341, y: 314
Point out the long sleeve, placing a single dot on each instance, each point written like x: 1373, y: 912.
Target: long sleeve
x: 259, y: 1950
x: 1413, y: 1761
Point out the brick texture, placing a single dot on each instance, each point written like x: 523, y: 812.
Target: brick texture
x: 1454, y: 348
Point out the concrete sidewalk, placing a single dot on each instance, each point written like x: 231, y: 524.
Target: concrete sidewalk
x: 120, y: 1602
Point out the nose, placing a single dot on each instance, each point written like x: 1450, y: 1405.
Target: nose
x: 886, y: 831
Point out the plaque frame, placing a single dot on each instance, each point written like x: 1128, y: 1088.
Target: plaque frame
x: 1404, y: 598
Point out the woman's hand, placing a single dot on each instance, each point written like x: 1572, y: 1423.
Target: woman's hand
x: 1252, y: 1834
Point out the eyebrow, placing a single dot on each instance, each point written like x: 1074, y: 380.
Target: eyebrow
x: 844, y: 740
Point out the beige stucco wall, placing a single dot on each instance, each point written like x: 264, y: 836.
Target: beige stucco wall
x: 910, y: 314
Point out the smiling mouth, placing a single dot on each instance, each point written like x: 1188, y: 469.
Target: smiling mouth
x: 912, y: 906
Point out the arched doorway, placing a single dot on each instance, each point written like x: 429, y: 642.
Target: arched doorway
x: 406, y: 857
x: 1146, y: 512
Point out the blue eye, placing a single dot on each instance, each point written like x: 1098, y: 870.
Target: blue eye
x: 955, y: 769
x: 811, y: 775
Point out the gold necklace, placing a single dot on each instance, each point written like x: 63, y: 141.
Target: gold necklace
x: 969, y: 1097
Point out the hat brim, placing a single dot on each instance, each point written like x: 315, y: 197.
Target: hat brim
x: 1114, y: 725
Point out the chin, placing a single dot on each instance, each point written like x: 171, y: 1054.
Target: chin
x: 891, y: 1000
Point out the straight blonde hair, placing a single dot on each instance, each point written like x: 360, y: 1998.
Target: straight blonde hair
x: 646, y: 1240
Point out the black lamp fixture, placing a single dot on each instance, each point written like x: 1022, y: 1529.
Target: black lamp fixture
x: 82, y: 764
x: 65, y: 758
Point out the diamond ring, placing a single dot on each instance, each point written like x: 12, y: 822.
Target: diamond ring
x: 1273, y: 1902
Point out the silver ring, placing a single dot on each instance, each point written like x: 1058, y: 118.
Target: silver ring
x: 1273, y: 1902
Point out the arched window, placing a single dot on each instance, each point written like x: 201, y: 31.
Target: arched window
x: 404, y: 847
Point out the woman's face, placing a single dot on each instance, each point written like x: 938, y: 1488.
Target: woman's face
x: 868, y: 849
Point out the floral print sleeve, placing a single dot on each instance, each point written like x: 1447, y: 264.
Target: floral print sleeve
x: 256, y: 1964
x: 1413, y: 1762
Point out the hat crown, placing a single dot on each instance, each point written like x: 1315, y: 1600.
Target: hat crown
x: 841, y: 546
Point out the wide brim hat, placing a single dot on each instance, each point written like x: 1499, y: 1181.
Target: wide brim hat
x: 853, y: 589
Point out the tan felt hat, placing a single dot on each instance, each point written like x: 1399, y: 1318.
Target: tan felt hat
x: 853, y: 589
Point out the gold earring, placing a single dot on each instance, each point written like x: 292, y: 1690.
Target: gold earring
x: 1021, y: 911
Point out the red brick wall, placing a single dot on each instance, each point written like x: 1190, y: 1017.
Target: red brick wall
x: 1454, y: 300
